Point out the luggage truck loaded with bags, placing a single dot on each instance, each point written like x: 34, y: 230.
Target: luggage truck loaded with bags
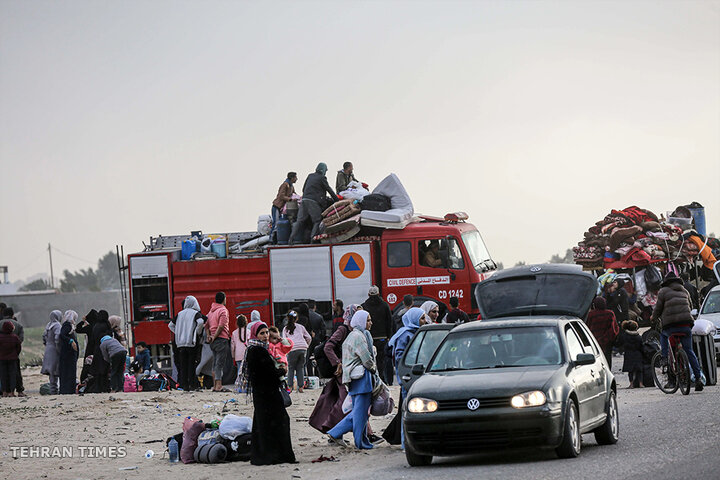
x: 371, y: 238
x: 632, y: 250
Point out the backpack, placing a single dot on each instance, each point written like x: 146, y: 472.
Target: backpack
x: 324, y: 367
x: 130, y: 384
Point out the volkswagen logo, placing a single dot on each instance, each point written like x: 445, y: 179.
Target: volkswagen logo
x: 473, y: 404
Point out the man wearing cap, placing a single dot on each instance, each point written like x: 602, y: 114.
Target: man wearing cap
x: 381, y: 330
x: 314, y: 201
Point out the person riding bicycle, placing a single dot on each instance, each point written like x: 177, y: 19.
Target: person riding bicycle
x: 673, y: 307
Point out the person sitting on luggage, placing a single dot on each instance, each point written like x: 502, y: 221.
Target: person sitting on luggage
x: 432, y: 255
x: 633, y: 346
x: 344, y: 177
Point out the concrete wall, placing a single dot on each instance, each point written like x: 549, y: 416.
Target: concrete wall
x: 33, y: 309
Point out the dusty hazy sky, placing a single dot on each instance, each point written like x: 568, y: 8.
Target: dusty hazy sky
x: 121, y: 120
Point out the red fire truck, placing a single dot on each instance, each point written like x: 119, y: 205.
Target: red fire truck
x: 275, y: 278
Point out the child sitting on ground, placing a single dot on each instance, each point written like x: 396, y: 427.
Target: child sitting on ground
x: 279, y: 347
x: 142, y: 356
x: 632, y: 344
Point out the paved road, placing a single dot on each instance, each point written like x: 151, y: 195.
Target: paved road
x: 661, y: 437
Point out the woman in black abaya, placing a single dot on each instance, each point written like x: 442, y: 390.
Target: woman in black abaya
x: 271, y: 442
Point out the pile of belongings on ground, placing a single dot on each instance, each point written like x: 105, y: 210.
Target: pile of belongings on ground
x: 228, y: 440
x: 387, y: 206
x: 635, y: 237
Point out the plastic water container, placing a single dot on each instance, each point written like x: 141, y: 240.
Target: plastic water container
x: 313, y: 382
x: 205, y: 245
x: 174, y: 451
x: 188, y: 248
x: 218, y: 247
x: 699, y: 218
x: 283, y: 230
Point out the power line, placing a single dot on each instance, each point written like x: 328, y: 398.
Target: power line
x: 31, y: 263
x: 74, y: 257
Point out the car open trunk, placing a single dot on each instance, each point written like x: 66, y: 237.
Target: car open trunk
x: 536, y: 290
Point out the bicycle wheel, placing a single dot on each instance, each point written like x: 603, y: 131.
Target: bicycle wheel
x: 683, y: 371
x: 664, y: 379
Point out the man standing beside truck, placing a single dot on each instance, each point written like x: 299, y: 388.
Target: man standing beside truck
x: 219, y: 338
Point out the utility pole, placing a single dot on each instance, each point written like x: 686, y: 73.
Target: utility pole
x: 52, y: 277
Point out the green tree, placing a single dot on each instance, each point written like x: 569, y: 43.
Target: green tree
x: 107, y: 272
x: 568, y: 258
x: 36, y: 285
x: 520, y: 263
x: 82, y: 281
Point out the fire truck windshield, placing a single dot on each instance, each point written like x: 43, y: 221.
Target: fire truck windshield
x: 479, y: 255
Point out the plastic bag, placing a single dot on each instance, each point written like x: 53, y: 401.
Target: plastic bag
x: 354, y: 191
x: 383, y: 404
x: 347, y: 404
x: 233, y: 425
x: 703, y: 327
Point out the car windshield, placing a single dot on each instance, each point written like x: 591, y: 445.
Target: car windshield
x: 479, y: 255
x: 498, y: 348
x: 712, y: 303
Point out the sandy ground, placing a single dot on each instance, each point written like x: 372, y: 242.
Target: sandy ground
x: 142, y: 421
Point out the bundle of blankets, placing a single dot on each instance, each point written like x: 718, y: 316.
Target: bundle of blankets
x: 635, y: 237
x: 341, y: 221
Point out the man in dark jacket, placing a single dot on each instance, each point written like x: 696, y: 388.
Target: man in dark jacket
x: 314, y: 201
x: 456, y: 315
x: 381, y: 330
x: 673, y: 309
x: 317, y: 324
x: 692, y: 291
x: 617, y: 300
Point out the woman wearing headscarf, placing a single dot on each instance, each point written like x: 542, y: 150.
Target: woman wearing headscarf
x: 328, y: 409
x: 357, y: 367
x: 432, y: 311
x: 412, y: 320
x: 115, y: 322
x: 86, y: 326
x: 68, y: 353
x: 603, y: 326
x: 51, y: 359
x: 99, y: 368
x: 271, y: 443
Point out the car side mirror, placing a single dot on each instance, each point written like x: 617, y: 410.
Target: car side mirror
x: 418, y: 369
x: 693, y: 312
x: 585, y: 359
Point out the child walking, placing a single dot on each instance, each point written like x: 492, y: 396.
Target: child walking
x: 238, y: 345
x: 633, y: 345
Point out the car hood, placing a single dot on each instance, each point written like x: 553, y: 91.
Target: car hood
x: 711, y: 317
x: 488, y: 383
x: 536, y: 290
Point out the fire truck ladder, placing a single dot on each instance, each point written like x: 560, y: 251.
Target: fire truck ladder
x: 122, y: 271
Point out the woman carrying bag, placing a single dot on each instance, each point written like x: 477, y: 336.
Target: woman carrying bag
x: 358, y: 367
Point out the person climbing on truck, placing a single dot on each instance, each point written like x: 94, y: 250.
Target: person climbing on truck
x: 314, y: 201
x: 284, y: 195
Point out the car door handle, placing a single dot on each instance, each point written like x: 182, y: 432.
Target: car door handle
x: 405, y: 378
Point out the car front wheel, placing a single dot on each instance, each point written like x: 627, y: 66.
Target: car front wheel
x: 570, y: 446
x: 609, y: 432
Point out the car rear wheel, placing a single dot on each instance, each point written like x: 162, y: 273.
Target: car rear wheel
x: 609, y: 432
x: 570, y: 446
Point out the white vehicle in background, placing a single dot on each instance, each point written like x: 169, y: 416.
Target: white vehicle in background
x: 710, y: 309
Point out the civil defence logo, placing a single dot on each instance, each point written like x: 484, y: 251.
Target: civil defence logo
x: 352, y: 265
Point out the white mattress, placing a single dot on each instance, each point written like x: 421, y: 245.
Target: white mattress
x: 401, y: 209
x: 399, y: 225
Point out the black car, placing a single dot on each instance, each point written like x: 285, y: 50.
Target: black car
x: 529, y: 374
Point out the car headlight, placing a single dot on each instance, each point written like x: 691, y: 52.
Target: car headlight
x: 422, y: 405
x: 528, y: 399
